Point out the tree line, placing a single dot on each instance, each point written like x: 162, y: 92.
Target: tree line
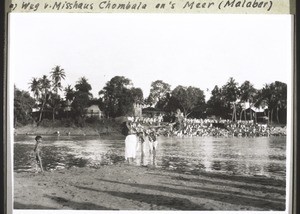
x: 119, y: 94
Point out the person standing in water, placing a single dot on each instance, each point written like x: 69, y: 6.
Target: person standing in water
x: 130, y: 146
x: 36, y: 150
x: 153, y: 144
x: 141, y: 141
x: 178, y: 125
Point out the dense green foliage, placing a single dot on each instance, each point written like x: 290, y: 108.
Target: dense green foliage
x: 118, y: 96
x: 228, y: 99
x: 23, y: 104
x: 158, y: 92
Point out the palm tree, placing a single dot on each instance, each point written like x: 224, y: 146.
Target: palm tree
x: 230, y: 92
x: 45, y: 88
x: 247, y: 94
x: 45, y: 84
x: 35, y: 87
x: 55, y: 103
x: 69, y: 93
x: 82, y: 85
x: 69, y: 96
x: 280, y: 97
x: 57, y: 74
x: 267, y: 97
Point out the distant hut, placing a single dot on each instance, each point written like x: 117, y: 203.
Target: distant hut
x: 152, y: 112
x: 260, y: 114
x: 93, y: 111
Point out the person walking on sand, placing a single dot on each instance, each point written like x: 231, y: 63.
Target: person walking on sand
x: 36, y: 150
x: 130, y: 146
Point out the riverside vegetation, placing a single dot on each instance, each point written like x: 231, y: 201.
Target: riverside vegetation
x: 49, y: 101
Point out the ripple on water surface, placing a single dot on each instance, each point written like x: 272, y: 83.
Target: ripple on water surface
x: 243, y: 156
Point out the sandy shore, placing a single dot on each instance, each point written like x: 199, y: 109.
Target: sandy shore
x: 123, y: 187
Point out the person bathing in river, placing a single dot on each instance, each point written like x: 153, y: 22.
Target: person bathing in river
x: 125, y: 127
x: 141, y: 141
x: 178, y: 124
x: 130, y: 146
x: 152, y: 137
x: 36, y: 150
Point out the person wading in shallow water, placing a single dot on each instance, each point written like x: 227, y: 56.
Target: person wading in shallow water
x: 130, y: 146
x: 141, y: 141
x: 153, y: 144
x: 178, y: 126
x: 125, y: 128
x: 36, y: 150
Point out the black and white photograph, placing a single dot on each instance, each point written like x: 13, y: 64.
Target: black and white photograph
x: 150, y: 112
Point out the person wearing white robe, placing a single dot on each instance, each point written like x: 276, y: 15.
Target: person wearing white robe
x: 130, y: 147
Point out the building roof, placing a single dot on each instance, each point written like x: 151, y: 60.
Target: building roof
x: 246, y: 105
x: 260, y: 109
x: 93, y: 107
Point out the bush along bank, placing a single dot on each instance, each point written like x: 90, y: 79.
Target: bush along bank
x: 64, y: 128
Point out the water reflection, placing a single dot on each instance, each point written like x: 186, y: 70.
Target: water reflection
x: 244, y: 156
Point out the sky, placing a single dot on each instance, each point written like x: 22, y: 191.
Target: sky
x: 197, y: 50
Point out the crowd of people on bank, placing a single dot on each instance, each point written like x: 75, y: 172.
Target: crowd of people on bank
x: 200, y: 127
x: 143, y: 132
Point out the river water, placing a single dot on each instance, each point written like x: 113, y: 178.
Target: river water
x: 261, y: 156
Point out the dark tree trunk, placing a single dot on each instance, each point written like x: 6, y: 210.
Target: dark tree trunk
x: 53, y: 114
x: 277, y: 115
x: 234, y: 113
x: 272, y: 116
x: 41, y: 113
x: 241, y: 114
x: 42, y: 109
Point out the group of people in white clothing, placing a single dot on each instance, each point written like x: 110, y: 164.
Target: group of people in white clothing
x: 140, y: 140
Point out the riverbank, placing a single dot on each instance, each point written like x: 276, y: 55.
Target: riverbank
x: 90, y: 129
x: 124, y: 187
x: 97, y: 129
